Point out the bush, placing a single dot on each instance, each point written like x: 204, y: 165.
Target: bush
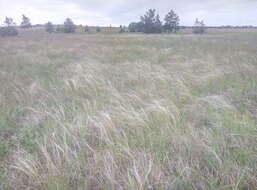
x: 8, y: 31
x: 69, y: 26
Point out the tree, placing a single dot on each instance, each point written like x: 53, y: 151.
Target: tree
x: 151, y: 22
x: 171, y: 22
x: 98, y: 29
x: 9, y: 22
x: 49, y: 27
x: 199, y: 27
x: 158, y: 24
x: 140, y: 27
x: 86, y: 29
x: 25, y: 22
x: 132, y: 27
x: 9, y: 29
x: 69, y: 26
x: 136, y: 27
x: 122, y: 29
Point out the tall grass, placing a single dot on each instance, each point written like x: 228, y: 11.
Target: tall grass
x: 128, y: 112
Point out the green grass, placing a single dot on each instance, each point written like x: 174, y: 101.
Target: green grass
x: 239, y: 85
x: 128, y: 111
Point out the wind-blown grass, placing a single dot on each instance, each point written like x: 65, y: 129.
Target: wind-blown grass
x: 128, y: 111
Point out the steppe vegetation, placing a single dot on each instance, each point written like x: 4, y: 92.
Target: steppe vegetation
x: 128, y: 111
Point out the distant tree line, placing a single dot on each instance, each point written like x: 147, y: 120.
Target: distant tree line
x: 150, y: 23
x: 10, y: 28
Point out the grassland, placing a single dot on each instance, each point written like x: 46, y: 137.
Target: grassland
x: 128, y: 111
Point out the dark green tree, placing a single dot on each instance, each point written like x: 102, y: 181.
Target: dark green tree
x: 49, y: 27
x: 136, y: 27
x: 158, y: 24
x: 25, y: 22
x: 87, y: 29
x: 151, y: 22
x: 171, y: 22
x: 132, y: 27
x: 69, y: 26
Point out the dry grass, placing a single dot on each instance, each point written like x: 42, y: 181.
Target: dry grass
x: 128, y: 111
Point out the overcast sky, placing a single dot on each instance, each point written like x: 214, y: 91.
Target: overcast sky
x: 116, y: 12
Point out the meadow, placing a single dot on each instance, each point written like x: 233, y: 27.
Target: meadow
x: 128, y: 111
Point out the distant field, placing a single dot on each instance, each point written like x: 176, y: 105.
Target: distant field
x: 129, y: 111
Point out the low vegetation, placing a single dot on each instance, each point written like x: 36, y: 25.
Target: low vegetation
x: 128, y: 111
x: 9, y: 29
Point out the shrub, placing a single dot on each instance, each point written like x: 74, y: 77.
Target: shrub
x: 8, y: 31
